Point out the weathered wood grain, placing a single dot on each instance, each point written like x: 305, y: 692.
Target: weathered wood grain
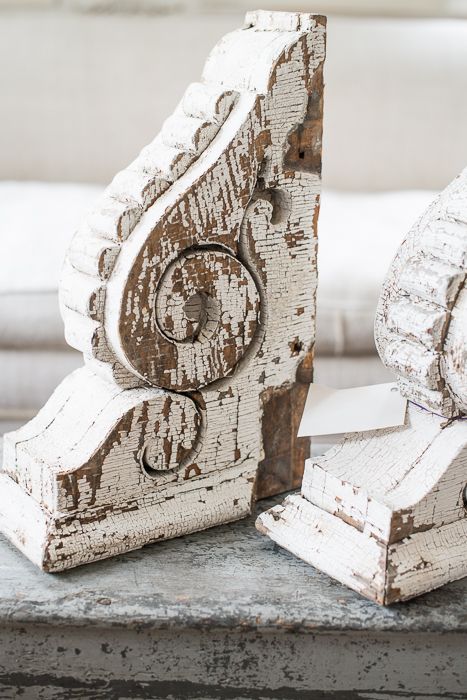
x: 385, y: 512
x: 419, y: 299
x: 190, y: 291
x: 198, y: 617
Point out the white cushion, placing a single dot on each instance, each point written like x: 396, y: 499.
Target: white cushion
x: 358, y: 236
x: 37, y: 221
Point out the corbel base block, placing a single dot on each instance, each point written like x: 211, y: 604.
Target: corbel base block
x: 383, y: 512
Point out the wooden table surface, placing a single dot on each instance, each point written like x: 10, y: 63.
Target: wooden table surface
x: 220, y: 614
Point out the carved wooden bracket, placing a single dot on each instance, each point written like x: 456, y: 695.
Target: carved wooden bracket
x: 385, y: 512
x: 190, y: 291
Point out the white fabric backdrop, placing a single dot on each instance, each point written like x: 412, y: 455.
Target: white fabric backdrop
x: 82, y: 94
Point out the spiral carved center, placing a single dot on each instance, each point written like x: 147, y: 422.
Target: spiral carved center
x: 191, y: 301
x: 204, y: 316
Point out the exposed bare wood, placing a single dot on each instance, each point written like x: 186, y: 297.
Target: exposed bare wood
x: 190, y: 291
x: 385, y: 512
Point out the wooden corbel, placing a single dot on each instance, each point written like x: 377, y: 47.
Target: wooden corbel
x: 190, y: 291
x: 385, y: 512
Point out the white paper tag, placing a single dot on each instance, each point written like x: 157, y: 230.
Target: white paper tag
x: 331, y: 411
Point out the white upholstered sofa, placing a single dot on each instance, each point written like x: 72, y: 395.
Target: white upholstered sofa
x: 83, y: 93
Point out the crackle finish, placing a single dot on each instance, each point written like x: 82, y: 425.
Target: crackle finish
x: 190, y: 291
x: 385, y: 512
x: 421, y: 321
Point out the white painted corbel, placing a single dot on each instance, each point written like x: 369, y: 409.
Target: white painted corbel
x: 190, y: 291
x: 385, y: 512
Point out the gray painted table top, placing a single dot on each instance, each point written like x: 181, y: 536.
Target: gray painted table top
x: 226, y: 577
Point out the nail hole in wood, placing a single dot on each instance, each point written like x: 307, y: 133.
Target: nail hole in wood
x: 296, y: 346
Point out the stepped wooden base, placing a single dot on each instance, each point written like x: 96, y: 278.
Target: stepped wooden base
x: 383, y: 512
x: 102, y: 470
x: 55, y: 542
x: 383, y: 573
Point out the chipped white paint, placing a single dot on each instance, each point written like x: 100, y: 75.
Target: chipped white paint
x: 413, y: 329
x: 385, y: 512
x: 190, y: 291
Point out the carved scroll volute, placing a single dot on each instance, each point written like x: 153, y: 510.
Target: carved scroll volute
x: 421, y: 318
x: 190, y: 291
x: 201, y: 320
x: 188, y: 306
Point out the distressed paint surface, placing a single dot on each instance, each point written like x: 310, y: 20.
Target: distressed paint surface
x: 190, y: 291
x: 104, y: 664
x: 171, y: 620
x: 385, y: 512
x: 421, y: 297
